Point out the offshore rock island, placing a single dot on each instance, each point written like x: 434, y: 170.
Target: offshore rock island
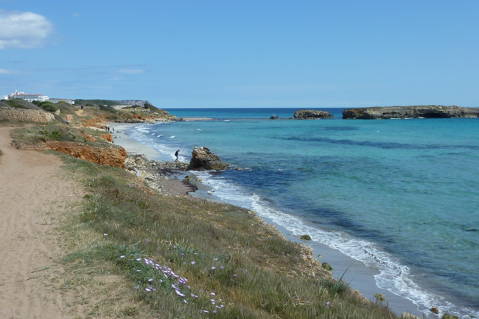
x: 417, y: 111
x: 311, y: 115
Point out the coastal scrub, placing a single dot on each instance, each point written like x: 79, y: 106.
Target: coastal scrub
x: 191, y: 258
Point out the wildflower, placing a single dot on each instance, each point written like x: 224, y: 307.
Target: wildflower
x: 122, y: 256
x: 193, y: 295
x: 150, y: 280
x: 179, y: 293
x: 204, y: 311
x: 193, y: 262
x: 212, y: 294
x: 148, y: 289
x: 213, y: 268
x: 184, y: 301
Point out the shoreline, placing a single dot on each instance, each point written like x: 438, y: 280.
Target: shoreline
x: 355, y: 273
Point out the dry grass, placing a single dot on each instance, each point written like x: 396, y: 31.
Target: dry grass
x: 252, y: 271
x: 35, y: 135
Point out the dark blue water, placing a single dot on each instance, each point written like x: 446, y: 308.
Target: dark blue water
x: 401, y: 196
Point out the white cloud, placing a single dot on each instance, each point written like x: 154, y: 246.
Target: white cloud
x: 131, y: 71
x: 5, y: 71
x: 23, y: 29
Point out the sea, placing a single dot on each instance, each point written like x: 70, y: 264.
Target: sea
x: 400, y: 197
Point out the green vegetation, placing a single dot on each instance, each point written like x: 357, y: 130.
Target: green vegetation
x: 18, y: 103
x: 55, y: 132
x: 47, y: 106
x: 185, y: 256
x: 96, y: 102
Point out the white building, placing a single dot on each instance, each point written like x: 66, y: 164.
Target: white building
x: 27, y: 96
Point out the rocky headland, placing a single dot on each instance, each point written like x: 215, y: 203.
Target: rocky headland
x: 419, y: 111
x: 311, y: 115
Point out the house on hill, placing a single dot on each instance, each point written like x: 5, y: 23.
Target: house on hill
x: 30, y: 97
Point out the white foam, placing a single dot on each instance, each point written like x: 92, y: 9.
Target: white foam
x: 392, y: 275
x: 139, y: 134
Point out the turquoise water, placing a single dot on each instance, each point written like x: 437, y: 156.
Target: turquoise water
x: 401, y: 196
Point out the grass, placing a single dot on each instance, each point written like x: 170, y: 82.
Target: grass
x: 56, y: 132
x: 17, y: 103
x: 182, y: 257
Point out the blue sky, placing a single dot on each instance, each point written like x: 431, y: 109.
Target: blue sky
x: 244, y: 53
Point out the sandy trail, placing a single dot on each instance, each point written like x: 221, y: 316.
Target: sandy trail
x: 31, y: 191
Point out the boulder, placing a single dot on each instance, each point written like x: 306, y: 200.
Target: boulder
x: 418, y: 111
x: 434, y: 310
x: 311, y: 115
x: 305, y: 237
x: 203, y: 159
x: 274, y: 117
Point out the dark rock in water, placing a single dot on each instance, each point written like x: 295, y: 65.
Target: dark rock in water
x: 311, y: 115
x: 434, y: 310
x: 274, y: 117
x: 203, y: 159
x: 420, y: 111
x: 326, y: 266
x: 305, y: 237
x: 448, y: 316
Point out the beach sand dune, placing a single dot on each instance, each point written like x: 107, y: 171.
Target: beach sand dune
x: 31, y: 191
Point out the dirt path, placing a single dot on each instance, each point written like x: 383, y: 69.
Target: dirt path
x: 31, y: 191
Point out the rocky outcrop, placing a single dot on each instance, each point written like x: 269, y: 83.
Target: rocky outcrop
x: 112, y: 156
x: 156, y: 174
x: 25, y: 115
x: 311, y: 115
x: 420, y: 111
x: 203, y: 159
x: 138, y: 162
x: 107, y: 137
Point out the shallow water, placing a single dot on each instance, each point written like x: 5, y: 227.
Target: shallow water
x: 401, y: 196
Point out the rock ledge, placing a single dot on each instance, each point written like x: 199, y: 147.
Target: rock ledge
x: 311, y: 115
x: 418, y: 111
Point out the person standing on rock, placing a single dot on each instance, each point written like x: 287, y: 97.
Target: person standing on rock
x: 177, y: 153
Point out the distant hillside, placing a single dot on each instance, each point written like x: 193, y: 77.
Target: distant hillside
x: 101, y: 102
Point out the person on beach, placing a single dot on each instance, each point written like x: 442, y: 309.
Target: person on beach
x: 177, y: 153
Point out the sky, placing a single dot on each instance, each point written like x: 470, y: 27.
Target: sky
x: 261, y: 53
